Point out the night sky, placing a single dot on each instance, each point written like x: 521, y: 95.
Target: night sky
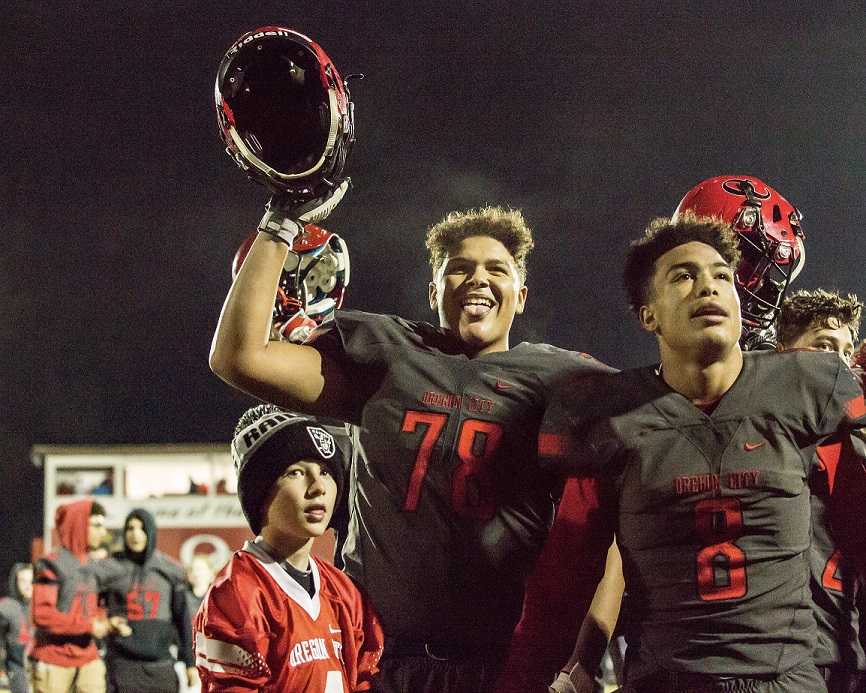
x: 121, y: 213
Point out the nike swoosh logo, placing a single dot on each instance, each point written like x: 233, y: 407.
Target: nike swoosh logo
x: 333, y: 630
x: 502, y: 385
x: 748, y: 447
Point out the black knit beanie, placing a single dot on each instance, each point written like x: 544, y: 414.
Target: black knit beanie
x: 265, y: 448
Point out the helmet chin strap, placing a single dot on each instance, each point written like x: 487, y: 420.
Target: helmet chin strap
x: 800, y: 265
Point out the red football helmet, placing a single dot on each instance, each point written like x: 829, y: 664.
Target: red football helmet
x: 284, y: 112
x: 312, y: 284
x: 772, y: 244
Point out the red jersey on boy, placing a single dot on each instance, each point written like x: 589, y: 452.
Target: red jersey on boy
x: 258, y: 629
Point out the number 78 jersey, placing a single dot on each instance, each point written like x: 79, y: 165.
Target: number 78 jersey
x: 713, y: 509
x: 450, y: 508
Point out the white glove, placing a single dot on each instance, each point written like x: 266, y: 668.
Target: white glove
x: 575, y: 681
x: 285, y: 222
x: 562, y: 684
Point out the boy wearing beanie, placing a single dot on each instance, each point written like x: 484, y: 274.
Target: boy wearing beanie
x: 275, y: 618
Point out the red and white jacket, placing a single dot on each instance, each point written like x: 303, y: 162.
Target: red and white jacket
x: 258, y: 629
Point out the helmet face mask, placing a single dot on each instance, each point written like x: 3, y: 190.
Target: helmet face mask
x: 771, y: 243
x: 767, y: 267
x: 314, y: 277
x: 284, y: 112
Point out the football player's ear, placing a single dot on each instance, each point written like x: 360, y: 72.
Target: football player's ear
x: 521, y: 300
x: 431, y: 295
x: 648, y: 319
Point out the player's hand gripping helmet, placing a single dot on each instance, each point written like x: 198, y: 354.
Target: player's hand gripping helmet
x: 312, y: 284
x: 772, y: 244
x: 284, y: 112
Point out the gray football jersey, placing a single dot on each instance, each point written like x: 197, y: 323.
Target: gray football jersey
x: 449, y: 506
x: 152, y: 597
x: 713, y: 509
x: 833, y: 580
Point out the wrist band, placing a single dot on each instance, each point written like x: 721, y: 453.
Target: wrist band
x: 280, y: 227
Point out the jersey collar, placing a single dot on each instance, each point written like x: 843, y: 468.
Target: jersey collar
x: 312, y: 605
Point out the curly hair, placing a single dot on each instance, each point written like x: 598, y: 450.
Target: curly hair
x: 804, y: 309
x: 250, y: 416
x: 505, y: 225
x: 664, y: 234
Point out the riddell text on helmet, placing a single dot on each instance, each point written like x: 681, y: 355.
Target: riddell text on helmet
x: 261, y: 34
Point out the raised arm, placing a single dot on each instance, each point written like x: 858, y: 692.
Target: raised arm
x: 242, y: 353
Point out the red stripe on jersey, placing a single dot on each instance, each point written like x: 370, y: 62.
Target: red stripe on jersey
x: 828, y: 456
x: 553, y: 445
x: 855, y: 408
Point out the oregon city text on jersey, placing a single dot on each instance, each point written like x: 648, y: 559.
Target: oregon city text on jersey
x: 470, y: 402
x: 699, y: 483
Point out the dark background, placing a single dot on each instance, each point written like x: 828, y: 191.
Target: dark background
x: 120, y: 212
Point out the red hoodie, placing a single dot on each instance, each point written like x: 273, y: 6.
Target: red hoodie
x: 65, y: 594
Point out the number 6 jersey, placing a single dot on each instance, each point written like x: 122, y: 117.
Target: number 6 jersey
x: 713, y: 509
x: 449, y: 506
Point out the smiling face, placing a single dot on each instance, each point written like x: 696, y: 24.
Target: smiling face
x: 693, y: 307
x: 302, y: 502
x: 477, y: 291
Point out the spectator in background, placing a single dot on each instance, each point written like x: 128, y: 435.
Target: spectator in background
x: 65, y: 613
x: 200, y: 574
x: 15, y: 626
x: 196, y: 489
x: 104, y: 487
x: 148, y: 596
